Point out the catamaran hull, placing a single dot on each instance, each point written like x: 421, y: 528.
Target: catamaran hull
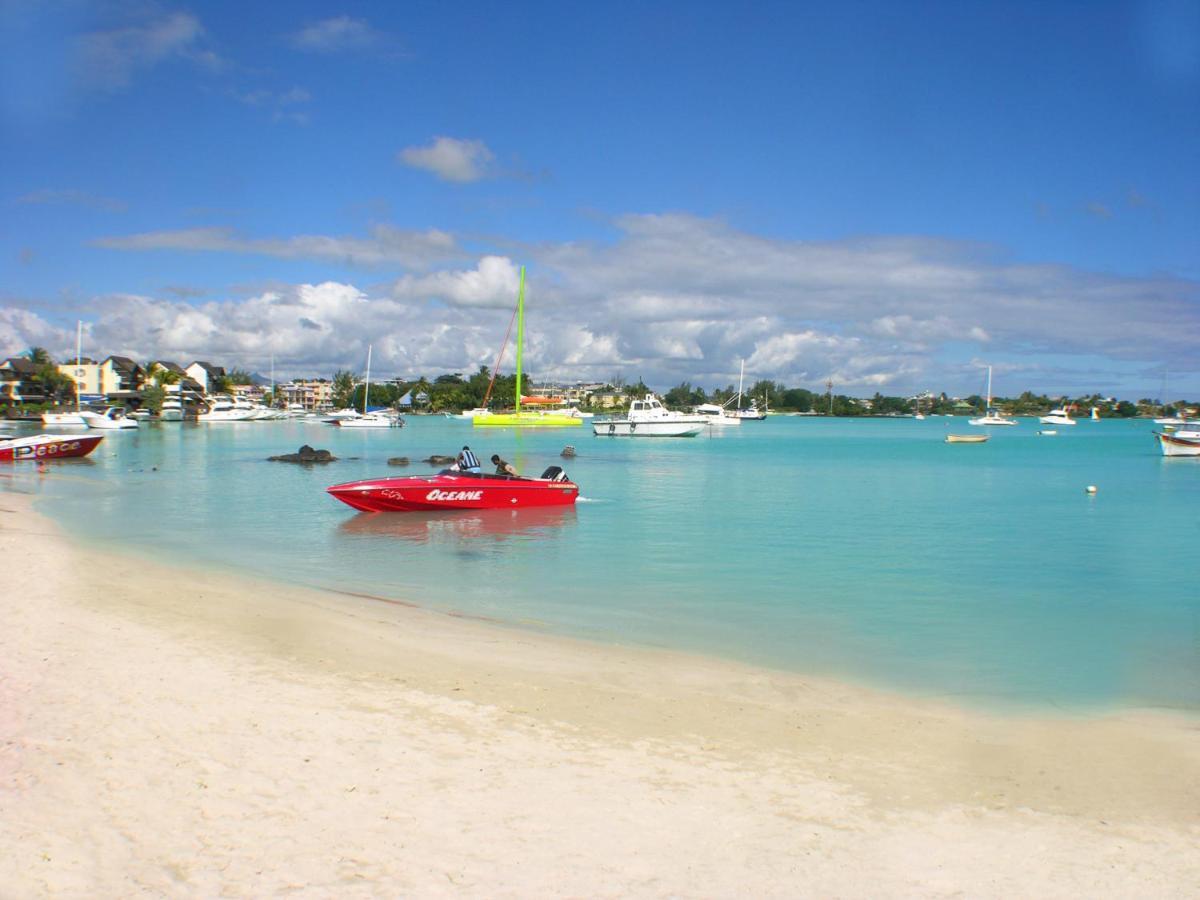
x: 48, y: 446
x: 448, y: 490
x: 525, y: 420
x: 1173, y: 445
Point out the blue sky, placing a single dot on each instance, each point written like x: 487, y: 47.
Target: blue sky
x: 890, y: 195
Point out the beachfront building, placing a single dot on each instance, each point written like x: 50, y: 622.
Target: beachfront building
x: 116, y: 378
x: 189, y: 390
x: 205, y: 374
x: 17, y: 383
x: 608, y: 398
x: 311, y: 394
x: 254, y: 393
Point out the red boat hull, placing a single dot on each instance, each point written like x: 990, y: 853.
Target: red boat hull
x: 48, y: 446
x: 453, y: 490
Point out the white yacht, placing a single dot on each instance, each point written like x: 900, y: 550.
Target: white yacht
x: 649, y: 418
x: 716, y: 415
x: 112, y: 419
x: 171, y: 410
x: 222, y: 409
x: 78, y: 418
x: 1059, y: 416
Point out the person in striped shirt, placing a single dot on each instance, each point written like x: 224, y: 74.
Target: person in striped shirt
x: 467, y: 461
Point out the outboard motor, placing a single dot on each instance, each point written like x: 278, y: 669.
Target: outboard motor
x: 555, y: 473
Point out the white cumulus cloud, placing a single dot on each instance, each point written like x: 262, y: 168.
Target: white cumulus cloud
x: 450, y: 159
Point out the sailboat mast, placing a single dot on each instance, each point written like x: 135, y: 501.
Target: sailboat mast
x: 520, y: 334
x: 989, y: 390
x: 78, y: 357
x: 367, y: 391
x: 741, y: 378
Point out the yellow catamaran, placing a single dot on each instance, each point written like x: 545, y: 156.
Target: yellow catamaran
x: 517, y: 418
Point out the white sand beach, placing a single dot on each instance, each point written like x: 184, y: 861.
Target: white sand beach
x: 180, y: 733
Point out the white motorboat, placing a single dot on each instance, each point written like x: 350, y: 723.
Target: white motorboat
x: 649, y: 418
x: 339, y: 414
x: 171, y: 410
x: 222, y: 409
x: 1183, y: 441
x: 78, y: 418
x: 716, y: 415
x: 112, y: 419
x: 991, y: 416
x: 1059, y: 416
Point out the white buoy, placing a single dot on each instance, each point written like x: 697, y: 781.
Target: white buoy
x: 1091, y: 489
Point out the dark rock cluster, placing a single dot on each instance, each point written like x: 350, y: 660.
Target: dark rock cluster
x: 305, y: 454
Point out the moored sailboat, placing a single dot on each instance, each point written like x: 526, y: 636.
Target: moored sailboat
x: 991, y: 416
x: 518, y: 418
x: 750, y: 412
x: 369, y: 418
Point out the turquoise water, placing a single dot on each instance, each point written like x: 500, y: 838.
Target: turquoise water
x: 864, y: 549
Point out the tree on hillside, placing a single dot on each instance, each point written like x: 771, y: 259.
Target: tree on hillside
x: 240, y: 376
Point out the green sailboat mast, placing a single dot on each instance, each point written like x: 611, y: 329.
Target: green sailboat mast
x: 520, y: 334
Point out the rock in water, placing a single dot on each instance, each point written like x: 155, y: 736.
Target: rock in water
x: 440, y: 460
x: 398, y: 461
x: 568, y: 450
x: 305, y: 454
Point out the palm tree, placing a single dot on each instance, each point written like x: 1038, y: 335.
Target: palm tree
x: 344, y: 383
x: 39, y: 356
x: 422, y: 387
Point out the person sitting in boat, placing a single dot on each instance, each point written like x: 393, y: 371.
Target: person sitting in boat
x: 467, y: 461
x: 502, y: 467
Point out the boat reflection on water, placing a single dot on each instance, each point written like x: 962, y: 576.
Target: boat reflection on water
x: 461, y: 525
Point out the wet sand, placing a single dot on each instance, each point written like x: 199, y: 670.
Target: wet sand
x: 187, y: 733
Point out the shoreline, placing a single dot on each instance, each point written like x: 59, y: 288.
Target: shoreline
x: 351, y: 746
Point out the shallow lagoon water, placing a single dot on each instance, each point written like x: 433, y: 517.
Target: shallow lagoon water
x: 863, y: 549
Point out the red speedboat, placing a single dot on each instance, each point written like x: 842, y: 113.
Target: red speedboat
x: 48, y: 446
x: 457, y: 490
